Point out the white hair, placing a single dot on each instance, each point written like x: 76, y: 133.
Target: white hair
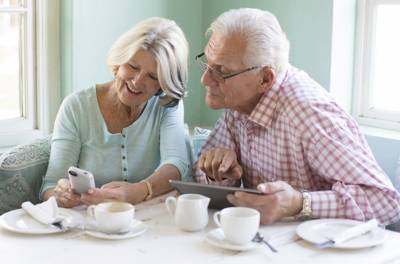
x: 167, y: 43
x: 266, y: 43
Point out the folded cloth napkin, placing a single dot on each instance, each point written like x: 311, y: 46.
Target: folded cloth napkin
x: 45, y: 213
x: 349, y: 233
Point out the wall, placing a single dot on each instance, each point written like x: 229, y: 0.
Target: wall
x: 387, y: 153
x: 90, y: 27
x: 310, y: 41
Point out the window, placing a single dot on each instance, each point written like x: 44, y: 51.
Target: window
x: 17, y: 45
x: 376, y: 99
x: 29, y: 85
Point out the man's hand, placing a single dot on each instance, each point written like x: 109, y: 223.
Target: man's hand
x: 220, y: 164
x: 278, y: 200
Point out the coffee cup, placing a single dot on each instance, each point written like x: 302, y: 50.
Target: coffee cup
x: 112, y: 217
x: 239, y: 224
x: 189, y: 210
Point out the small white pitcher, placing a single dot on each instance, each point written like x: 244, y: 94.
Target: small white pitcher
x: 190, y: 211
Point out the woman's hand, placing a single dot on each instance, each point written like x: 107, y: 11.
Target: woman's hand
x: 116, y: 191
x: 64, y: 195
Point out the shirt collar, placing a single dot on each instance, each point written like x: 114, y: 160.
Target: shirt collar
x: 264, y: 111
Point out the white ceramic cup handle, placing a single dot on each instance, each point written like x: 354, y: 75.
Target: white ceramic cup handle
x: 170, y: 203
x: 217, y: 217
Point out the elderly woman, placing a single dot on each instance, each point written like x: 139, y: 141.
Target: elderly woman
x: 128, y: 132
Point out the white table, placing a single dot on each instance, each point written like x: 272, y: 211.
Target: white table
x: 164, y: 243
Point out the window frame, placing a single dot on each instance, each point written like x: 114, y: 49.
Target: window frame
x: 43, y: 76
x: 365, y: 32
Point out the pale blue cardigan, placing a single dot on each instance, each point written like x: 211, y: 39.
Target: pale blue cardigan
x: 81, y: 138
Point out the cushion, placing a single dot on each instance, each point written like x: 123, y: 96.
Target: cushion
x: 21, y: 171
x: 396, y: 180
x: 200, y: 136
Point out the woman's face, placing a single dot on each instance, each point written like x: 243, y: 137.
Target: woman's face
x: 137, y: 81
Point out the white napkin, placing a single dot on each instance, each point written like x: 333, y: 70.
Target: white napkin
x: 355, y: 231
x: 45, y: 213
x: 349, y: 233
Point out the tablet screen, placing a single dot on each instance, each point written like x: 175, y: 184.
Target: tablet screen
x: 216, y: 193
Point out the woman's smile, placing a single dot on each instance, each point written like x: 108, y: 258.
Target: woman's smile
x: 132, y: 90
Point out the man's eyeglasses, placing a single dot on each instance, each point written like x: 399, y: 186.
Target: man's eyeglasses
x: 215, y: 74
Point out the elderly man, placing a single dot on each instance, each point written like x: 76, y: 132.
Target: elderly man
x: 282, y: 133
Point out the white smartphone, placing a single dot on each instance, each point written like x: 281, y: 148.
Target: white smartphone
x: 81, y: 180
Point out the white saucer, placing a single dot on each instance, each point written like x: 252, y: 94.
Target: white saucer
x: 20, y: 222
x: 136, y: 229
x: 216, y: 237
x: 317, y: 231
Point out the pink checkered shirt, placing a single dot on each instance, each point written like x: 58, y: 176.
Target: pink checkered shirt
x: 298, y: 134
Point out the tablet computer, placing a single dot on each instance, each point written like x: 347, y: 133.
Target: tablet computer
x: 217, y: 194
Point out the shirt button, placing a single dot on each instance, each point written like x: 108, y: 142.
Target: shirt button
x: 124, y: 169
x: 122, y: 146
x: 123, y: 157
x: 125, y: 180
x: 123, y: 135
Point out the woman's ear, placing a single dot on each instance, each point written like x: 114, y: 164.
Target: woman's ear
x: 268, y: 79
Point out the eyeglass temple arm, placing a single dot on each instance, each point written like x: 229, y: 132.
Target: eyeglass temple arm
x: 199, y: 56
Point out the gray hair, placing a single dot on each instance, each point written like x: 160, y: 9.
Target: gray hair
x: 167, y: 43
x: 266, y: 43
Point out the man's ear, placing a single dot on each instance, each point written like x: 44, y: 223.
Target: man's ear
x: 268, y: 79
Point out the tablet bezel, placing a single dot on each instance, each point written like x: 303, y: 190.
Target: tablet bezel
x: 217, y: 193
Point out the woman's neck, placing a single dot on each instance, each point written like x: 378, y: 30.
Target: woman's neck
x: 116, y: 114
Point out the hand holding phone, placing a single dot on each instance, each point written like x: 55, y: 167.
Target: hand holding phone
x: 81, y: 180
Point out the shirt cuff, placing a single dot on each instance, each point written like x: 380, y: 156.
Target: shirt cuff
x: 325, y: 204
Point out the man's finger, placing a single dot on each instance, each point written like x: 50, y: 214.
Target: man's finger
x: 242, y: 203
x: 202, y: 165
x: 215, y: 164
x: 272, y: 187
x: 200, y: 162
x: 251, y: 200
x: 207, y: 163
x: 237, y: 172
x: 228, y: 161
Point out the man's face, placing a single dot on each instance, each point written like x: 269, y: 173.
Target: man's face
x: 241, y: 92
